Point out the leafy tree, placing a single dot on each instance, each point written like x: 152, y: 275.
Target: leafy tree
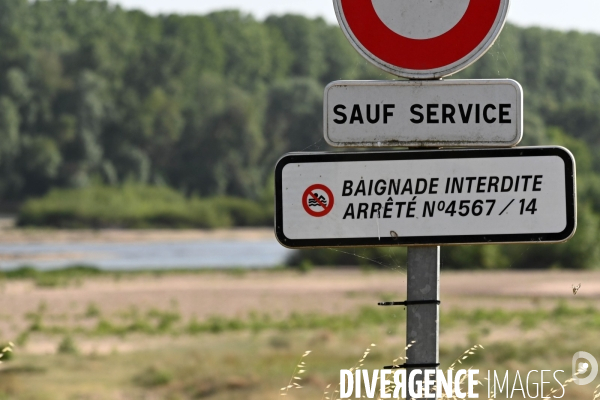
x: 92, y: 93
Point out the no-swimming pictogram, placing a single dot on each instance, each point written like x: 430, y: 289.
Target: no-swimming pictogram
x: 318, y: 200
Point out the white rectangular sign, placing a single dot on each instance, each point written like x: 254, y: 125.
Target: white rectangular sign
x: 425, y: 197
x: 451, y: 113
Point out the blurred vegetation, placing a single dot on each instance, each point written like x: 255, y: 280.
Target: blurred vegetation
x: 250, y: 357
x: 51, y: 278
x: 160, y: 321
x: 75, y: 275
x: 140, y: 206
x: 67, y: 346
x: 112, y: 102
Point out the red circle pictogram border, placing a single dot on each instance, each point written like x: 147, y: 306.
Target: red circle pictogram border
x: 421, y: 54
x: 326, y: 210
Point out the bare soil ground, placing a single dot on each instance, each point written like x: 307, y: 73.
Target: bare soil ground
x: 281, y: 292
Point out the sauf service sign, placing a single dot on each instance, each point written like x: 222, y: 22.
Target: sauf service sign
x: 454, y: 113
x: 426, y: 197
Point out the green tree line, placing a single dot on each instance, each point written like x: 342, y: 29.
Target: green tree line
x: 90, y: 93
x: 93, y: 94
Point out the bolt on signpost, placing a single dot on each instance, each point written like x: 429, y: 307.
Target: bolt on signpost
x: 481, y: 192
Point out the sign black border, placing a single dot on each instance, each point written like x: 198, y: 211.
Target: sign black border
x: 570, y: 188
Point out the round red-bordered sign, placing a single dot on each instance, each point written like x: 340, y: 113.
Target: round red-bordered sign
x: 311, y: 198
x: 442, y: 54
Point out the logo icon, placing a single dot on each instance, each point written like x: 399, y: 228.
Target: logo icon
x: 583, y: 367
x: 318, y: 200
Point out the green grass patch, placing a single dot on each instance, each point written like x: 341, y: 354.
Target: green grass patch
x: 53, y: 278
x: 139, y: 206
x: 76, y: 274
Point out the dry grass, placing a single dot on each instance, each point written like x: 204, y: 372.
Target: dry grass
x: 253, y: 350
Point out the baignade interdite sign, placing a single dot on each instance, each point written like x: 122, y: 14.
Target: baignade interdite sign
x: 426, y: 197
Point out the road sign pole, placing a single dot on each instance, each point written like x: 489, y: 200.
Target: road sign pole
x: 423, y: 322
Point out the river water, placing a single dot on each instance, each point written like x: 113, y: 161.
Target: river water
x: 265, y: 253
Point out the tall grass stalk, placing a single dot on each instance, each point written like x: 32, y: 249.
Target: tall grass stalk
x: 333, y: 395
x: 7, y: 349
x: 299, y: 370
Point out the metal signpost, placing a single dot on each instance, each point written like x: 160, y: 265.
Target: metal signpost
x: 424, y: 198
